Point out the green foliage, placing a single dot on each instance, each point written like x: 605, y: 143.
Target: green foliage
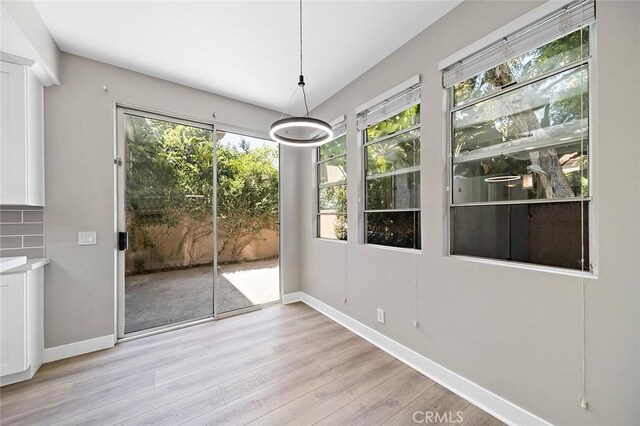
x: 553, y: 55
x: 407, y: 118
x: 334, y: 199
x: 513, y: 116
x: 170, y: 178
x: 336, y: 147
x: 247, y: 194
x: 391, y: 192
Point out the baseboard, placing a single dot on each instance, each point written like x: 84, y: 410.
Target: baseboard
x: 291, y: 297
x: 476, y: 394
x: 19, y: 377
x: 78, y: 348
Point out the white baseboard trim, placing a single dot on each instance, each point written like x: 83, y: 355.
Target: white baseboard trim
x: 78, y: 348
x: 291, y: 297
x: 19, y: 377
x: 477, y: 395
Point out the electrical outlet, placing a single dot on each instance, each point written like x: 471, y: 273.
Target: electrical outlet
x: 381, y: 315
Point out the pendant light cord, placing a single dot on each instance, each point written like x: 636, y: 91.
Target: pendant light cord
x: 301, y: 84
x: 300, y: 37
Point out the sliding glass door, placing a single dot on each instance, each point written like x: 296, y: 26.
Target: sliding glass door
x: 167, y: 198
x: 176, y: 264
x: 247, y: 210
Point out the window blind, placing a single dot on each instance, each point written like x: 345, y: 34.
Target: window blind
x: 389, y: 107
x: 562, y: 22
x: 340, y: 128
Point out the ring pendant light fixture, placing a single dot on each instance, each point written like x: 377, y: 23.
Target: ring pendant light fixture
x: 318, y: 131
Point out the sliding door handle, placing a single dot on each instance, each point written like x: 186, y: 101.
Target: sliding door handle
x: 123, y: 241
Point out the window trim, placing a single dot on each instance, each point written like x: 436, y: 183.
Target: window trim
x: 317, y: 186
x: 363, y: 143
x: 592, y: 272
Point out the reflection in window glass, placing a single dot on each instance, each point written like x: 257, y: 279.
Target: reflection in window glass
x: 523, y: 175
x: 396, y: 229
x: 544, y: 233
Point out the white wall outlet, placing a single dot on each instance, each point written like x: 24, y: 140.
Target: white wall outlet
x: 381, y: 315
x: 87, y: 238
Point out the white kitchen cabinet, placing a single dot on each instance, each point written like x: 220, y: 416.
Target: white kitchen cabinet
x: 21, y: 324
x: 13, y: 324
x: 21, y: 136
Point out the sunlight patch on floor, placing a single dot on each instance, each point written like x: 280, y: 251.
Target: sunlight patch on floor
x: 257, y: 281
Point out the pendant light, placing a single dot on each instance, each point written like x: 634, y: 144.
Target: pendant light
x: 318, y: 131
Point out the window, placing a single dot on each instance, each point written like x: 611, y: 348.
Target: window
x: 520, y: 152
x: 331, y: 176
x: 392, y: 172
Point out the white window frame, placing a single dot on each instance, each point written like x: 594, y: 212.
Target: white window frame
x: 339, y: 126
x: 591, y: 272
x: 389, y: 95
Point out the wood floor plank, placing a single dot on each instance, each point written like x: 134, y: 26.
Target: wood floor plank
x: 438, y: 404
x: 157, y: 397
x: 473, y: 416
x: 255, y: 379
x: 182, y: 410
x: 280, y: 365
x: 290, y: 387
x: 382, y: 402
x: 265, y: 400
x: 52, y: 413
x: 233, y: 350
x: 314, y: 406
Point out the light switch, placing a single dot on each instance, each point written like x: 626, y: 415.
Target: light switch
x: 87, y: 238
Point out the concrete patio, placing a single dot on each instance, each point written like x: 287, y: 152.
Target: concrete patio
x: 162, y: 298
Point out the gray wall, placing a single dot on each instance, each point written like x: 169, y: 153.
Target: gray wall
x: 516, y: 332
x: 79, y: 141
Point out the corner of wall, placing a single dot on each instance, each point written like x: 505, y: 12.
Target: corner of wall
x: 25, y: 35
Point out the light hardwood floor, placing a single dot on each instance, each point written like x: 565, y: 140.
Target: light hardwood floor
x: 280, y: 365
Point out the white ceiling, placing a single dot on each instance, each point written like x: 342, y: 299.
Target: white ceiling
x: 246, y: 50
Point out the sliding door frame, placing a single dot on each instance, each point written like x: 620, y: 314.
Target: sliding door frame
x: 251, y: 134
x: 120, y: 222
x: 120, y: 109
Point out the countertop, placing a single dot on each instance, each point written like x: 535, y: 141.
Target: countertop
x: 29, y: 266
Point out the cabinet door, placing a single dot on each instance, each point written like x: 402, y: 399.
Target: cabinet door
x: 13, y: 134
x: 13, y: 324
x: 35, y: 141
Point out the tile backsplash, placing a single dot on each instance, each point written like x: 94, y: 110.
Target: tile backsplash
x: 22, y: 232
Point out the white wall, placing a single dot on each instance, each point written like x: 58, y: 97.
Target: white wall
x: 79, y: 141
x: 515, y: 332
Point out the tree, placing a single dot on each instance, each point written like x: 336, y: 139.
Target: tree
x: 170, y: 184
x: 247, y: 195
x: 522, y: 121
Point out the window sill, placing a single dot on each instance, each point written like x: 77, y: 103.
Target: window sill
x: 526, y: 266
x: 330, y: 240
x: 399, y: 249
